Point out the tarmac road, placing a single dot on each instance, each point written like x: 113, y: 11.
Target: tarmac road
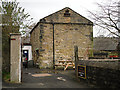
x: 36, y: 78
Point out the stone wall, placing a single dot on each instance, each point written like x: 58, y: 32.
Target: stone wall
x: 102, y: 73
x: 34, y: 40
x: 69, y: 36
x: 42, y: 40
x: 46, y: 46
x: 74, y: 17
x: 68, y: 32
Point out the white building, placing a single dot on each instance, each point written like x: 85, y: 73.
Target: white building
x: 27, y: 50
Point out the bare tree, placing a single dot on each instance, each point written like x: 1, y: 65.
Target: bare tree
x: 27, y: 32
x: 108, y: 17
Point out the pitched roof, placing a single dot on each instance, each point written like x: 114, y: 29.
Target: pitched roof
x: 56, y: 18
x: 105, y: 43
x: 67, y: 8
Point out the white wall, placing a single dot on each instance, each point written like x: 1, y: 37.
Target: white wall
x: 29, y: 48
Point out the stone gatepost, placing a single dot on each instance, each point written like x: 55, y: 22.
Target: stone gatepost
x: 15, y: 57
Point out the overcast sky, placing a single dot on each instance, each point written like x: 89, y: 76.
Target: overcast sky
x: 41, y: 8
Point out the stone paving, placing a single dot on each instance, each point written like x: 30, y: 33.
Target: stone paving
x: 36, y: 78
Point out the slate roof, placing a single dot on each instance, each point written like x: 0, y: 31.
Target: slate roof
x: 105, y: 43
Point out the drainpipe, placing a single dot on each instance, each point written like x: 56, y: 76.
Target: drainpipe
x: 53, y: 48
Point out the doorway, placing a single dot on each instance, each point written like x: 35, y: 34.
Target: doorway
x: 25, y: 58
x: 25, y: 53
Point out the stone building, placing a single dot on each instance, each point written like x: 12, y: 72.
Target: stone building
x: 105, y: 47
x: 54, y: 37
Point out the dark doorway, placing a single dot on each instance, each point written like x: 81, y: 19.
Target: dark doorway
x: 25, y: 52
x: 25, y: 58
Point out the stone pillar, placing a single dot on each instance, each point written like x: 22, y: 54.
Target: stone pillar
x: 15, y: 57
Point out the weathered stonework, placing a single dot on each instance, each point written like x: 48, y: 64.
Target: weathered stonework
x: 15, y: 58
x: 104, y: 73
x: 68, y: 31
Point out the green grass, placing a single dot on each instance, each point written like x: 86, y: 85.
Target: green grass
x: 6, y: 76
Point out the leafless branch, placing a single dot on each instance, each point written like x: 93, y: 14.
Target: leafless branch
x: 107, y: 17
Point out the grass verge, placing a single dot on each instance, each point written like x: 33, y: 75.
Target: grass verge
x: 6, y: 76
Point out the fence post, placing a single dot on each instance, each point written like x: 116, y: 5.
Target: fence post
x: 76, y: 57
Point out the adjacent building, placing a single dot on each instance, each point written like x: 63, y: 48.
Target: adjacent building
x: 105, y: 47
x: 27, y: 48
x: 53, y: 38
